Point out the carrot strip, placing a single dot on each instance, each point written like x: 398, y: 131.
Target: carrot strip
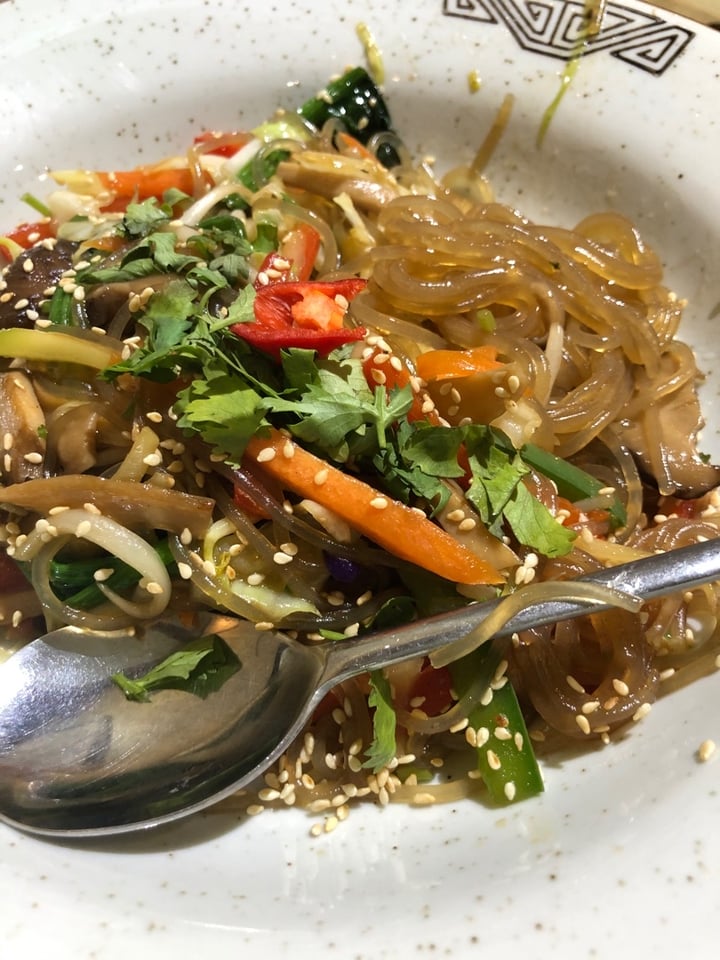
x: 449, y: 364
x: 145, y: 182
x: 400, y: 530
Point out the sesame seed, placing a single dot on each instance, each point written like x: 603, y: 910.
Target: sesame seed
x: 467, y: 524
x: 154, y: 588
x: 642, y: 711
x: 264, y: 625
x: 185, y: 571
x: 573, y: 684
x: 706, y: 749
x: 483, y: 735
x: 186, y: 537
x: 281, y: 558
x: 423, y: 799
x: 103, y: 574
x: 154, y: 416
x: 17, y: 618
x: 255, y: 579
x: 22, y: 303
x: 459, y: 726
x: 502, y: 733
x: 288, y: 450
x: 493, y: 760
x: 321, y: 477
x: 582, y: 721
x: 254, y: 809
x: 266, y: 455
x: 379, y: 503
x: 456, y: 516
x: 510, y: 790
x: 378, y: 377
x: 91, y: 508
x: 590, y: 706
x: 83, y: 528
x: 33, y: 457
x: 8, y: 441
x: 620, y: 687
x: 153, y: 459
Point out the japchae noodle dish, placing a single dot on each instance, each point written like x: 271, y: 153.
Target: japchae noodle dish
x: 297, y: 375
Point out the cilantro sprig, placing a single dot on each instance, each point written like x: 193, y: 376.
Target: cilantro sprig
x: 200, y: 668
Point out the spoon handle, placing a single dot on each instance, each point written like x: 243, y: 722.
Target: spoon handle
x: 677, y: 570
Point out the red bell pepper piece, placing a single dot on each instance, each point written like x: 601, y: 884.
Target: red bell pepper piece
x: 305, y: 314
x: 222, y: 144
x: 27, y: 235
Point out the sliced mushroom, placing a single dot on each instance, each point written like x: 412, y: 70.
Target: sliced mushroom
x: 671, y: 427
x: 365, y: 181
x: 22, y: 428
x: 28, y: 278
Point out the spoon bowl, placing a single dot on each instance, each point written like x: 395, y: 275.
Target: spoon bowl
x: 78, y: 758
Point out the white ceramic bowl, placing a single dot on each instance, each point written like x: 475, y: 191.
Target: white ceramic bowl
x: 621, y: 854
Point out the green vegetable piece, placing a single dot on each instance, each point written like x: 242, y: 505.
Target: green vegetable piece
x: 355, y: 100
x: 74, y: 581
x: 572, y: 482
x: 505, y: 756
x: 383, y: 746
x: 201, y: 668
x: 256, y: 172
x: 60, y: 313
x: 32, y: 201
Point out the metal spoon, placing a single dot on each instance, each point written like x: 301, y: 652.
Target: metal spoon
x: 78, y: 758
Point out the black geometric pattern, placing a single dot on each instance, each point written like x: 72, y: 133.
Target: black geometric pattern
x: 556, y: 28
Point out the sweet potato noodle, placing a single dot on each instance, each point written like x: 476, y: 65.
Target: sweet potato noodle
x: 127, y: 399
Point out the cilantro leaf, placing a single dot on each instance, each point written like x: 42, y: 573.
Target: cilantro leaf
x: 336, y: 410
x: 224, y: 410
x: 383, y: 746
x: 534, y: 525
x: 434, y: 450
x: 499, y: 495
x: 140, y: 219
x: 200, y: 668
x: 242, y: 309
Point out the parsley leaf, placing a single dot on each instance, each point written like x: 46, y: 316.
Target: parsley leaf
x: 383, y: 746
x: 200, y: 668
